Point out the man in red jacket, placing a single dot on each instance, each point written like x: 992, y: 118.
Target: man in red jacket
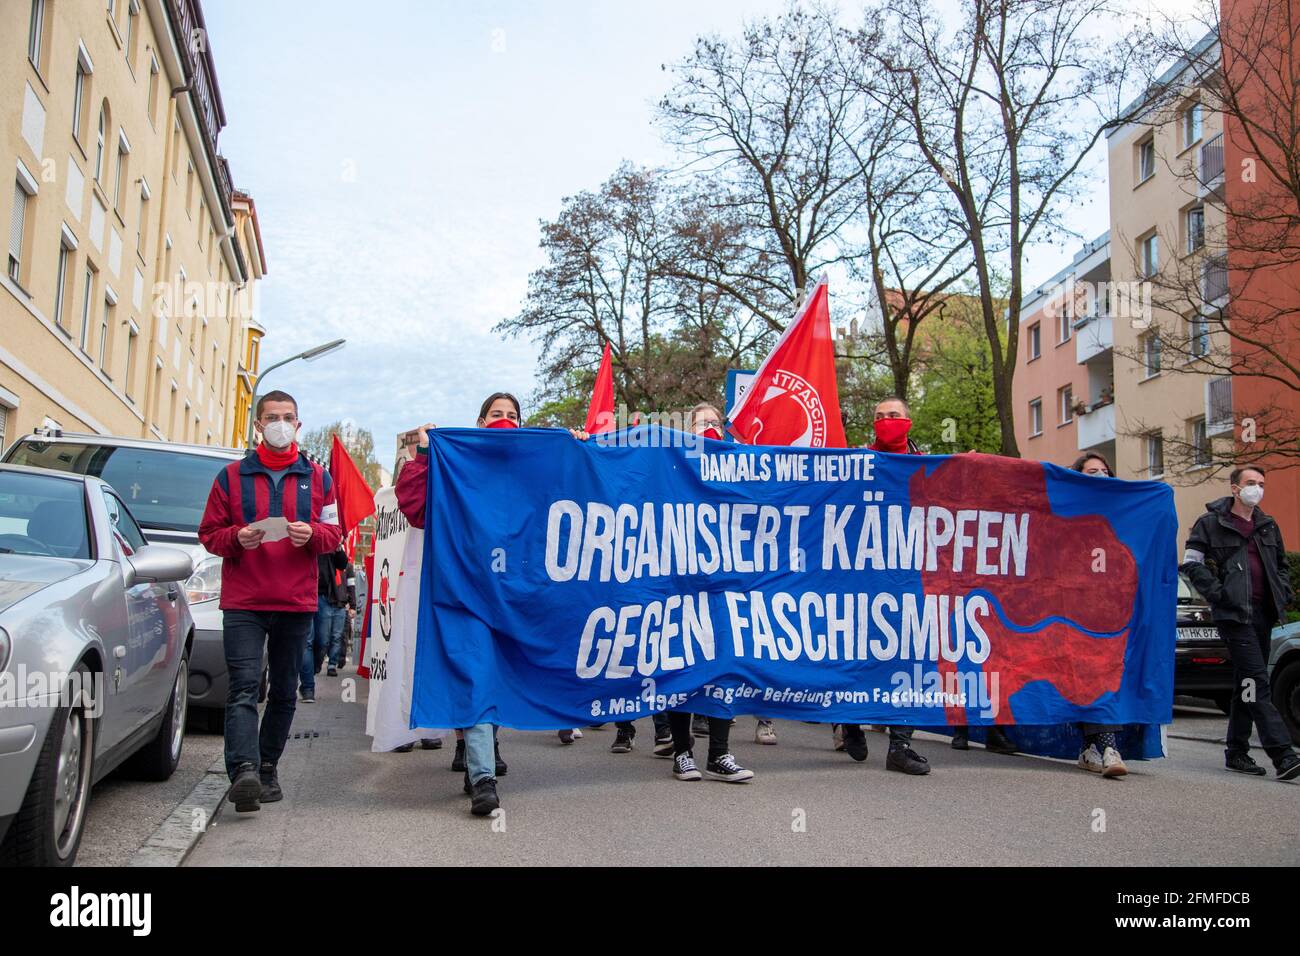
x: 269, y: 516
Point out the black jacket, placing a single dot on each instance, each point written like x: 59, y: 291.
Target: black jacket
x: 326, y: 565
x: 1217, y: 564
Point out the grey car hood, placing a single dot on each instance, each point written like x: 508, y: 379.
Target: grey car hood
x: 23, y: 575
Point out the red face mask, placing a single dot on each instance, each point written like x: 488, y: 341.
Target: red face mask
x: 503, y: 423
x: 891, y: 434
x: 714, y: 433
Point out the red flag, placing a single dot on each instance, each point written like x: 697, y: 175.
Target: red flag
x: 794, y: 398
x: 355, y: 499
x: 600, y: 414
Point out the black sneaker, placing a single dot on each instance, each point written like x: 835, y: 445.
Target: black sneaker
x: 1288, y: 768
x: 726, y: 769
x: 404, y: 749
x: 960, y: 739
x: 332, y: 672
x: 907, y: 760
x: 684, y: 767
x: 664, y: 748
x: 502, y: 769
x: 997, y: 741
x: 855, y: 742
x: 700, y: 725
x: 431, y: 743
x: 483, y: 797
x: 566, y: 735
x: 309, y: 697
x: 246, y: 789
x: 1241, y: 763
x: 663, y: 737
x: 458, y: 759
x: 622, y: 743
x: 271, y: 792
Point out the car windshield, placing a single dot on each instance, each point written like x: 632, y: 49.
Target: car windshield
x: 165, y: 490
x: 43, y: 515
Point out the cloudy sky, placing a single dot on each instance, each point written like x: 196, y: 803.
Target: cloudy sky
x: 401, y: 153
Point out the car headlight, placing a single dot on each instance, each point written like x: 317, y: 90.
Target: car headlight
x: 205, y: 583
x: 5, y: 646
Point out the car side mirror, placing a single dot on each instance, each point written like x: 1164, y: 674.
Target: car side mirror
x: 157, y: 564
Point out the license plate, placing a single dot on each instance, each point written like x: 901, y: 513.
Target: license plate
x: 1198, y: 634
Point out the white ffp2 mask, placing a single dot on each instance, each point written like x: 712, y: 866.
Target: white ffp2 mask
x: 1252, y: 495
x: 279, y: 434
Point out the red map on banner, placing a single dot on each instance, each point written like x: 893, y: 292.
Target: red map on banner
x: 1069, y: 553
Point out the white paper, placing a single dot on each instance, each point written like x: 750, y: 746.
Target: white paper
x: 276, y: 528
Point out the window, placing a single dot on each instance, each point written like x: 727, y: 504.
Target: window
x: 127, y: 532
x: 1192, y: 124
x: 17, y: 229
x: 1198, y: 335
x: 1035, y: 417
x: 1151, y: 355
x: 142, y: 223
x: 189, y: 188
x: 1146, y: 160
x: 1064, y: 325
x: 131, y: 338
x: 78, y: 99
x: 100, y: 139
x: 1200, y: 441
x: 1154, y: 444
x: 119, y: 181
x: 1195, y: 228
x: 153, y: 91
x: 1149, y: 251
x: 61, y: 281
x: 1035, y: 341
x: 1065, y: 402
x: 85, y: 308
x: 105, y: 332
x: 132, y: 14
x: 35, y: 31
x: 4, y: 422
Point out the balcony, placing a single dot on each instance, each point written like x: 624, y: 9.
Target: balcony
x: 1096, y: 426
x: 1209, y: 167
x: 1093, y: 336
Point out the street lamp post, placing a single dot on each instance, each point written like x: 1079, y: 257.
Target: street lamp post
x: 310, y: 355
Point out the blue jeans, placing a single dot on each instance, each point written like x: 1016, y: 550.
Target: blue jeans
x: 326, y: 632
x: 244, y: 635
x: 480, y: 752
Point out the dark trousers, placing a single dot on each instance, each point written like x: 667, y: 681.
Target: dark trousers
x: 660, y: 719
x: 284, y: 634
x: 1248, y: 646
x: 679, y: 722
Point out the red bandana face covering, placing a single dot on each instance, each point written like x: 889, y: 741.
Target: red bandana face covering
x: 711, y: 432
x: 277, y: 459
x: 891, y: 434
x: 503, y: 423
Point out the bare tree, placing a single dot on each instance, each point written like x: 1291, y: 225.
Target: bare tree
x: 769, y: 120
x: 1230, y: 307
x: 1005, y: 108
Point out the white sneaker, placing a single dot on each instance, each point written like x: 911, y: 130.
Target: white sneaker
x: 577, y: 734
x: 1112, y: 763
x: 684, y: 767
x: 765, y: 733
x: 1091, y: 759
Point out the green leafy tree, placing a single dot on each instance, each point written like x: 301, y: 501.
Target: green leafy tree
x: 955, y: 407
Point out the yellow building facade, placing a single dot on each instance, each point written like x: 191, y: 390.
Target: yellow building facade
x: 126, y: 302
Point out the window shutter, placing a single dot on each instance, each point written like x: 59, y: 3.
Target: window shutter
x: 16, y: 223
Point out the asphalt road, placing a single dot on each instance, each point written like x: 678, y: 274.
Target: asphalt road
x: 581, y: 804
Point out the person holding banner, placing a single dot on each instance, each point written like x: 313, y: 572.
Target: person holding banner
x: 1235, y: 557
x: 477, y: 751
x: 891, y: 425
x: 269, y: 516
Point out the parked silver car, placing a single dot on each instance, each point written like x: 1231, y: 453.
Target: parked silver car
x: 95, y: 634
x: 166, y: 485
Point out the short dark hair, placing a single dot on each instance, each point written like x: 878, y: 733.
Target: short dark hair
x: 1235, y: 477
x: 487, y: 404
x: 275, y: 396
x: 894, y: 398
x: 1089, y: 456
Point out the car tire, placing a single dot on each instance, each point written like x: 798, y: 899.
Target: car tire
x: 157, y: 760
x: 1223, y: 701
x: 48, y: 827
x: 1286, y: 695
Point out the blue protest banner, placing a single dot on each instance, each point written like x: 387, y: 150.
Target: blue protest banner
x: 568, y: 582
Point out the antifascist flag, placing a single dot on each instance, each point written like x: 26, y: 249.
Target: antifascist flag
x: 794, y: 398
x: 600, y: 414
x: 356, y: 500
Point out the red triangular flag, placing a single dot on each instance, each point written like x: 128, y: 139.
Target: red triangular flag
x: 600, y: 414
x: 794, y: 398
x: 355, y: 499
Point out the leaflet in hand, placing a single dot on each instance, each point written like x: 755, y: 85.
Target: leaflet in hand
x: 276, y: 528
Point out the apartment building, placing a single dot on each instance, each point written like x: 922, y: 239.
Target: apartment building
x: 127, y: 293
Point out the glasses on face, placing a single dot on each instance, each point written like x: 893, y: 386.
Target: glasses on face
x: 704, y: 424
